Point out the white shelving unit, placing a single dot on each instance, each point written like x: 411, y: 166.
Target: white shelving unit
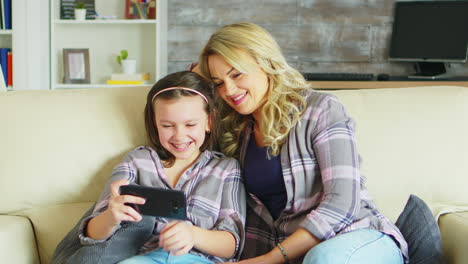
x: 6, y: 36
x: 29, y: 42
x: 145, y: 40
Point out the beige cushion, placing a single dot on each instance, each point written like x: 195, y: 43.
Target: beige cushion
x: 454, y: 232
x: 52, y: 223
x: 412, y: 141
x: 17, y: 243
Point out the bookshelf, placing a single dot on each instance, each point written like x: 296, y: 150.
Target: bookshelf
x: 6, y: 41
x: 145, y: 40
x: 6, y: 36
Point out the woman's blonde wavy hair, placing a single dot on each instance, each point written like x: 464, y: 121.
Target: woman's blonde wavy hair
x: 285, y: 98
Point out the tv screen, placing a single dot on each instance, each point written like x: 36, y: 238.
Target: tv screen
x: 432, y: 31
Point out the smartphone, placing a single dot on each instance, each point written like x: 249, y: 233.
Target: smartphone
x: 159, y: 202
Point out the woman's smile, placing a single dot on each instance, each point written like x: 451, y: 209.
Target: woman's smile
x: 238, y: 98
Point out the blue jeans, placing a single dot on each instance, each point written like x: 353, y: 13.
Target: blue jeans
x: 357, y: 247
x: 160, y: 256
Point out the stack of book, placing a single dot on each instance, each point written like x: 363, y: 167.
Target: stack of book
x: 6, y: 63
x: 130, y: 79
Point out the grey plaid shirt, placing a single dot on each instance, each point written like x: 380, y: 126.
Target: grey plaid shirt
x: 213, y: 187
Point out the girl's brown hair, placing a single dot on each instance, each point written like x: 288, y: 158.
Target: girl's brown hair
x: 185, y: 79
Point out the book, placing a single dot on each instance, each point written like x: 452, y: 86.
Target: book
x: 144, y: 76
x: 128, y: 13
x: 4, y: 63
x: 2, y: 83
x: 152, y: 9
x: 126, y: 82
x: 7, y: 14
x: 10, y: 68
x: 2, y: 17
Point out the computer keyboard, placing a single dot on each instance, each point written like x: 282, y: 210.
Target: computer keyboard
x: 335, y: 76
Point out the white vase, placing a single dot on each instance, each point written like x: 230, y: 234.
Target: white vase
x: 80, y: 14
x: 129, y: 66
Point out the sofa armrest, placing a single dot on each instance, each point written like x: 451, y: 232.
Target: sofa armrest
x: 454, y: 233
x: 17, y: 242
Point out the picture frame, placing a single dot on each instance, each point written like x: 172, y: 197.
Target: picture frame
x: 76, y: 66
x: 132, y: 13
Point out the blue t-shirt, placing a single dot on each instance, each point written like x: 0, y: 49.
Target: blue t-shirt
x: 264, y: 178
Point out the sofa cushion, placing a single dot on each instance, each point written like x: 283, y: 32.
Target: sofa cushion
x: 420, y: 229
x: 17, y: 243
x: 52, y: 223
x: 412, y: 136
x: 454, y: 232
x: 124, y: 243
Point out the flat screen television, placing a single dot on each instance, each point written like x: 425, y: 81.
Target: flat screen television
x: 430, y: 33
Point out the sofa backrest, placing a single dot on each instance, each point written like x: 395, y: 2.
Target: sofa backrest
x: 60, y: 146
x: 412, y: 141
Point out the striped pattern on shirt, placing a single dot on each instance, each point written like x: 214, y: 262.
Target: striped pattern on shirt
x: 326, y: 194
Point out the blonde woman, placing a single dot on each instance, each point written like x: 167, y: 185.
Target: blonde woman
x: 307, y: 201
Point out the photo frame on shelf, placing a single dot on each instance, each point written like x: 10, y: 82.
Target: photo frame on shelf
x: 144, y: 10
x: 76, y: 66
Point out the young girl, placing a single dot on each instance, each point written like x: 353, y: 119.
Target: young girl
x: 180, y: 123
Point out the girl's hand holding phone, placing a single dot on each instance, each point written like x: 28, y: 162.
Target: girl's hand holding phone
x: 118, y: 211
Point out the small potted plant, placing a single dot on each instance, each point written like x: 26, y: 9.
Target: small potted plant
x: 128, y: 65
x: 80, y: 10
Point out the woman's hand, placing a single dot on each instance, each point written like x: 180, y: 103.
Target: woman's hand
x: 177, y: 237
x: 117, y: 211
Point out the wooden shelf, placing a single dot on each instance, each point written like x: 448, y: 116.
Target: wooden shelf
x: 97, y: 85
x: 6, y: 32
x: 106, y: 21
x: 332, y: 85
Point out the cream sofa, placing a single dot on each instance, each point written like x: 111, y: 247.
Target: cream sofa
x: 57, y: 149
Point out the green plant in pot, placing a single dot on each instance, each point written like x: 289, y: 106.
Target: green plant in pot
x: 80, y: 10
x: 128, y: 65
x: 123, y: 55
x: 80, y: 5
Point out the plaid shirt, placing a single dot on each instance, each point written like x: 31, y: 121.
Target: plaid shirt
x: 325, y: 190
x: 213, y: 187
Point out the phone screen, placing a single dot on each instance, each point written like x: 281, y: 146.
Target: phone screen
x: 159, y: 202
